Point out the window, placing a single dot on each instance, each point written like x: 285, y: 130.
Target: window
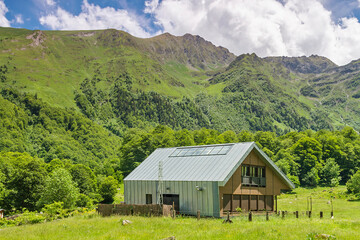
x: 148, y: 198
x: 253, y: 176
x: 207, y: 150
x: 216, y: 150
x: 202, y: 151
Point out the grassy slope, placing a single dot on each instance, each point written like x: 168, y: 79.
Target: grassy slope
x: 345, y: 225
x: 55, y: 67
x: 175, y: 67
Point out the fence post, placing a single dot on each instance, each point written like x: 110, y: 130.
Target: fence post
x: 198, y: 215
x: 332, y: 208
x: 267, y: 215
x: 250, y: 216
x: 173, y: 210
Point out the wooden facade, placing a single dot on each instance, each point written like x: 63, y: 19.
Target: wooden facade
x: 251, y: 198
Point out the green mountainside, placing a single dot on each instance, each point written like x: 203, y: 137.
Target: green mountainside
x: 90, y: 106
x: 306, y: 65
x: 120, y: 81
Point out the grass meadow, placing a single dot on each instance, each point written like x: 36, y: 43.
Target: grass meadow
x: 344, y: 225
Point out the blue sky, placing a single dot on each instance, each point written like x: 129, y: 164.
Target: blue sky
x: 329, y: 28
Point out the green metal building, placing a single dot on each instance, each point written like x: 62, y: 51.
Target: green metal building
x: 211, y: 178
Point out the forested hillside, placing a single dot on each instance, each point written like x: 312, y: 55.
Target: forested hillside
x: 182, y: 82
x: 82, y: 109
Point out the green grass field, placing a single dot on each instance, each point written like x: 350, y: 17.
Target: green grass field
x: 344, y: 225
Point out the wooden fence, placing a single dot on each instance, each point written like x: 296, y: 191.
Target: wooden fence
x: 133, y: 209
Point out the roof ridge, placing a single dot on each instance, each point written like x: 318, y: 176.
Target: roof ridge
x: 206, y: 145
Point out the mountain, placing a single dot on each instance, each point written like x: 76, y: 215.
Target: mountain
x: 120, y: 81
x: 45, y: 62
x: 307, y: 65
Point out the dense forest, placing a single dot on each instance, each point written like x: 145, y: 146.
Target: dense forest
x: 52, y: 154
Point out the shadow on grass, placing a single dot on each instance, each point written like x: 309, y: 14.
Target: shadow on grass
x: 354, y: 200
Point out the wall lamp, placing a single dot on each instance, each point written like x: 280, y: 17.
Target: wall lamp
x: 199, y: 188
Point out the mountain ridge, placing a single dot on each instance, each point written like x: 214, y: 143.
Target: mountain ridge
x: 188, y: 76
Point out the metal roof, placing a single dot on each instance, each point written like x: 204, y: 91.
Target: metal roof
x: 218, y: 168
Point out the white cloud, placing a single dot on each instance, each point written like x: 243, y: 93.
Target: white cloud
x: 19, y: 19
x: 4, y: 22
x: 94, y: 17
x: 268, y: 28
x: 50, y: 2
x: 151, y: 5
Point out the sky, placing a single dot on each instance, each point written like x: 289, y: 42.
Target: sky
x: 327, y: 28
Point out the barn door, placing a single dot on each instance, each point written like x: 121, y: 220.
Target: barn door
x: 245, y: 202
x: 261, y: 203
x: 168, y: 199
x: 227, y: 202
x: 253, y: 203
x: 269, y: 199
x: 236, y: 202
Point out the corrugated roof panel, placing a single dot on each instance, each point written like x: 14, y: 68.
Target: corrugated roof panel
x: 190, y: 168
x: 217, y: 168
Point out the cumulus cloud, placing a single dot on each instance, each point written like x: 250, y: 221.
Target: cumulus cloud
x: 150, y: 6
x: 94, y: 17
x: 19, y: 19
x: 4, y: 22
x: 268, y: 28
x: 50, y: 2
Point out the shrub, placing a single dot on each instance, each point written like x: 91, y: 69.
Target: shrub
x: 311, y: 178
x: 330, y: 173
x: 108, y: 189
x: 60, y: 188
x: 84, y: 201
x: 353, y: 185
x: 4, y: 222
x: 54, y: 210
x: 29, y: 218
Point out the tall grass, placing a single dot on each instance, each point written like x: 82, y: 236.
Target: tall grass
x: 345, y: 225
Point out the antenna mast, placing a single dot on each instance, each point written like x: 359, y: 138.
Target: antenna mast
x: 160, y: 184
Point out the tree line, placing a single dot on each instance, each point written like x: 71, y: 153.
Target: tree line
x: 48, y: 151
x: 308, y: 158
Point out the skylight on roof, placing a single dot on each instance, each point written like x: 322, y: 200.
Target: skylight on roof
x: 201, y: 151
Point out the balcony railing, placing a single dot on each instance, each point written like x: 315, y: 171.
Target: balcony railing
x: 254, y: 181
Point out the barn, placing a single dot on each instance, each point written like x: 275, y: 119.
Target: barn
x: 211, y: 178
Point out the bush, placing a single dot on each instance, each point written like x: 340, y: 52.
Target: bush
x: 353, y: 185
x: 60, y: 188
x: 84, y: 201
x: 29, y: 218
x: 54, y: 210
x: 311, y: 178
x: 108, y: 189
x: 330, y: 173
x: 4, y: 222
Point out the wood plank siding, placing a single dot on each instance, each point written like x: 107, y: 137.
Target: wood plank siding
x: 255, y: 198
